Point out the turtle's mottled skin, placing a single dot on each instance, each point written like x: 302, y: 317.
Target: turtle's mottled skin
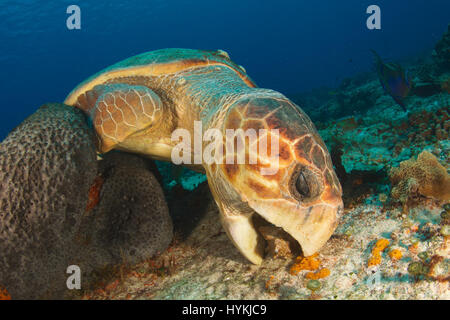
x: 136, y: 104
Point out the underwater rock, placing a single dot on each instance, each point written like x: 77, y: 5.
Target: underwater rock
x: 426, y: 89
x: 177, y: 175
x: 424, y: 176
x: 382, y: 139
x: 445, y: 83
x: 357, y: 101
x: 47, y: 164
x: 441, y: 53
x: 279, y: 243
x: 352, y: 101
x: 131, y: 221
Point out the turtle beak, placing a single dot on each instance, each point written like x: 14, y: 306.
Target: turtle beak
x: 244, y: 236
x: 311, y: 226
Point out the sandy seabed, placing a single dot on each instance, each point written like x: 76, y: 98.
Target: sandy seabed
x: 202, y: 263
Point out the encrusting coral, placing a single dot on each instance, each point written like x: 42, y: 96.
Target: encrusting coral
x: 424, y: 176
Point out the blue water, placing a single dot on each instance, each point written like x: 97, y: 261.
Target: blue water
x: 290, y: 46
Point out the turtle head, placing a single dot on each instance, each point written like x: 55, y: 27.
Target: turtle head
x: 291, y: 184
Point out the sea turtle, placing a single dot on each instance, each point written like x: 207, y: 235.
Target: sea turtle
x: 135, y: 105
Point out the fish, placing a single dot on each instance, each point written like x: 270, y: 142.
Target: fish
x: 394, y: 79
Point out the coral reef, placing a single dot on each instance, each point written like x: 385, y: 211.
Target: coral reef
x: 424, y: 176
x: 381, y: 139
x: 47, y: 165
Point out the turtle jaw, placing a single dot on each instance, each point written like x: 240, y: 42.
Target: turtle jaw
x: 244, y: 236
x: 311, y: 225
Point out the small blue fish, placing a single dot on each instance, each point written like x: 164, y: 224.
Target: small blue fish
x: 394, y: 80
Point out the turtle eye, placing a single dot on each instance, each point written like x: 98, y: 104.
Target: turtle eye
x: 302, y: 185
x: 307, y: 184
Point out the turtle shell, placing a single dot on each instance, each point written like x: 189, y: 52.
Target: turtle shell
x: 157, y: 63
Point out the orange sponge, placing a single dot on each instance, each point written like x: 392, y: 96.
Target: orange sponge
x: 305, y: 263
x: 395, y: 254
x: 380, y: 245
x: 322, y: 273
x: 4, y: 295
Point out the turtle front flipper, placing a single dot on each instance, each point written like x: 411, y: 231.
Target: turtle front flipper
x: 119, y: 111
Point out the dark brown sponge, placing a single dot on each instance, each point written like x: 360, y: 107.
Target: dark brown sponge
x: 59, y: 206
x: 47, y: 165
x: 131, y: 221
